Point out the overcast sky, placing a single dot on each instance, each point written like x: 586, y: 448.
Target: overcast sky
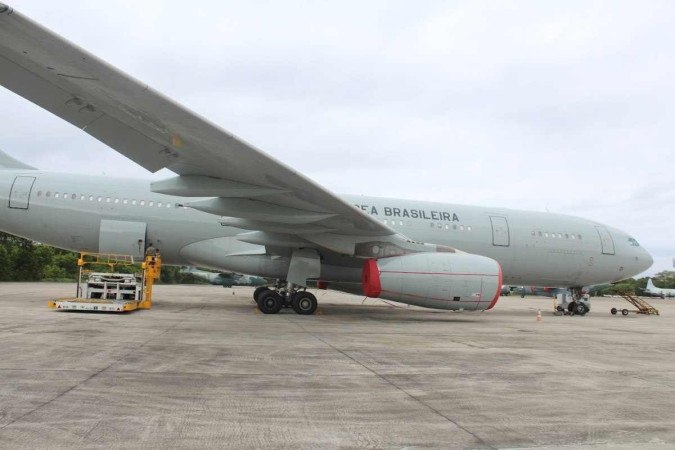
x: 560, y: 106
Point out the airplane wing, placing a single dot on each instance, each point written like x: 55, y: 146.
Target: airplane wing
x: 252, y: 190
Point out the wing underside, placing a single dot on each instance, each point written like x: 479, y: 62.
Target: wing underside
x: 244, y: 186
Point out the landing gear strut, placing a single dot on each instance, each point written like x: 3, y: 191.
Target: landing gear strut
x: 271, y: 301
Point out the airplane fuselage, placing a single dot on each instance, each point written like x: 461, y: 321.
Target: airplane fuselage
x: 76, y: 212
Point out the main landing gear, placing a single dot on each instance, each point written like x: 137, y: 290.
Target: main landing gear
x: 270, y: 301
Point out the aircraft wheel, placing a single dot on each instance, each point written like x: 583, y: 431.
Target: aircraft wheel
x: 624, y: 312
x: 580, y: 309
x: 614, y: 311
x: 258, y: 291
x: 270, y: 302
x: 304, y: 303
x: 572, y: 307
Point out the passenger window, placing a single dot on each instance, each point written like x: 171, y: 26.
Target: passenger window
x: 159, y: 204
x: 579, y: 236
x: 117, y: 200
x: 447, y: 227
x: 168, y: 205
x: 468, y: 228
x: 142, y: 202
x: 567, y: 236
x: 432, y: 224
x: 100, y: 199
x: 91, y: 198
x: 65, y: 196
x: 48, y: 194
x: 454, y: 226
x: 39, y: 193
x: 573, y: 236
x: 540, y: 234
x: 400, y: 222
x: 546, y: 234
x: 56, y: 195
x: 151, y: 203
x: 82, y: 197
x: 461, y: 228
x: 559, y: 235
x: 107, y: 199
x: 133, y: 201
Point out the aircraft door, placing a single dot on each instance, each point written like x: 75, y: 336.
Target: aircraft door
x: 606, y: 241
x: 19, y: 195
x: 122, y: 238
x: 500, y: 231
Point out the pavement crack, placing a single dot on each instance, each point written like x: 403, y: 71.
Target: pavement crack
x: 90, y: 377
x: 481, y: 442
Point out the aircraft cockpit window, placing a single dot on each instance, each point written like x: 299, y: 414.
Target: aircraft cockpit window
x: 633, y: 242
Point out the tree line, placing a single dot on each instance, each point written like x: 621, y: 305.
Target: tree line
x: 26, y: 260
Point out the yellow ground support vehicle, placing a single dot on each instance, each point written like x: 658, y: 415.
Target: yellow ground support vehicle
x: 111, y: 291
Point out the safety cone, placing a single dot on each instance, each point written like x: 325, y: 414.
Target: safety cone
x: 539, y: 315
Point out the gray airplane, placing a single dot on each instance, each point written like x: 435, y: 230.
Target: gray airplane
x: 224, y: 279
x: 661, y: 292
x: 232, y: 207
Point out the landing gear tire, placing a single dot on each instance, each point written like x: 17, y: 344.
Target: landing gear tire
x: 614, y: 311
x: 624, y: 312
x: 304, y: 303
x: 580, y: 309
x: 572, y: 307
x: 258, y: 291
x: 270, y: 302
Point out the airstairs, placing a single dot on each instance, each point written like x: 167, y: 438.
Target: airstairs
x: 643, y: 307
x: 111, y: 291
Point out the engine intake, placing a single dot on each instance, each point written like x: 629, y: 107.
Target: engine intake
x: 435, y: 280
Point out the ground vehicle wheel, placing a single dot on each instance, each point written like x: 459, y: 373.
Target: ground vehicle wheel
x: 258, y: 291
x: 559, y: 308
x: 572, y: 307
x: 580, y: 309
x: 304, y: 303
x: 614, y: 311
x: 270, y: 302
x: 624, y: 312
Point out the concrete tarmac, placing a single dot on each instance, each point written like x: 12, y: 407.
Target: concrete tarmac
x: 204, y: 369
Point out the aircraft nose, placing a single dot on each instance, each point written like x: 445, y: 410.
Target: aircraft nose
x: 644, y: 260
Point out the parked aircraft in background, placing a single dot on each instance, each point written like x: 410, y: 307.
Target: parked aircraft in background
x: 232, y: 207
x: 661, y: 292
x: 225, y: 279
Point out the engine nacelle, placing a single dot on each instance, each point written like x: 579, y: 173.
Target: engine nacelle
x: 435, y: 280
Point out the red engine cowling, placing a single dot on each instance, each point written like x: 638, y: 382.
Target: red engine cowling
x: 435, y: 280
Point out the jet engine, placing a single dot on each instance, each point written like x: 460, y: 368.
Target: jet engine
x: 435, y: 280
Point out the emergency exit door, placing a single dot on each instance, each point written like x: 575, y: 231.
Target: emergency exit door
x: 19, y: 196
x: 606, y: 241
x: 500, y: 231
